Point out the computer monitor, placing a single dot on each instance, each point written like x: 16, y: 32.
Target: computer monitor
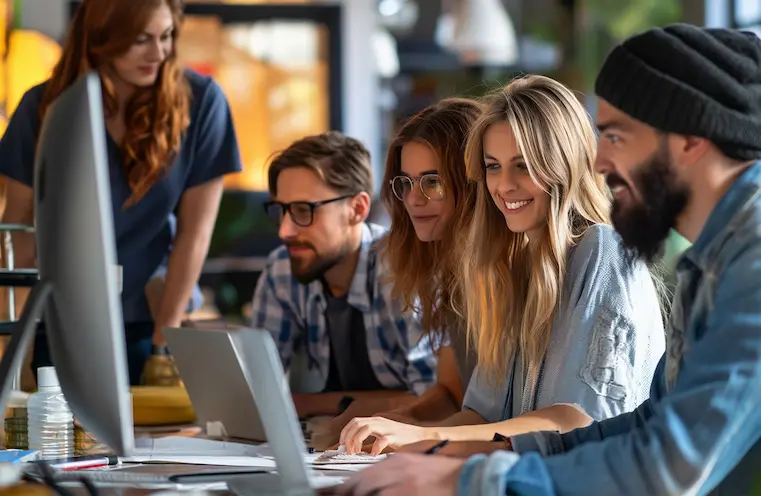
x: 76, y: 257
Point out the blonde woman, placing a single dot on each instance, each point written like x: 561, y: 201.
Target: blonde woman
x: 560, y: 315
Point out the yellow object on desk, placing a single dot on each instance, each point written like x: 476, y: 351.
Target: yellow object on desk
x: 161, y: 405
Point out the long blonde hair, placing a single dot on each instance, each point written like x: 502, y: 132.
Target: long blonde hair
x: 510, y: 290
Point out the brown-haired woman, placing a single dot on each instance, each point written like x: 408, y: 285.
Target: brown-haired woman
x: 428, y: 196
x: 170, y: 140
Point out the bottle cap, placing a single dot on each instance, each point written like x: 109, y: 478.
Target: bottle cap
x: 47, y: 377
x: 10, y: 474
x: 160, y: 349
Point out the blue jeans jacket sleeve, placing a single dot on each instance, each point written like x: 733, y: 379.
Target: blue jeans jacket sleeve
x: 553, y: 443
x: 686, y: 442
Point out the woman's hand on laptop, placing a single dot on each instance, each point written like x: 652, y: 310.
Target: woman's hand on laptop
x: 388, y: 434
x: 366, y: 448
x: 327, y: 436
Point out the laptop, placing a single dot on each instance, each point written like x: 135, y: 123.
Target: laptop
x: 234, y: 376
x: 210, y: 367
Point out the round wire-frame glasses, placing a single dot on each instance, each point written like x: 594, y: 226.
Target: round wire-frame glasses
x: 430, y: 185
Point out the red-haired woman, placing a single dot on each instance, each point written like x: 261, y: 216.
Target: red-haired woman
x: 170, y: 140
x: 427, y: 194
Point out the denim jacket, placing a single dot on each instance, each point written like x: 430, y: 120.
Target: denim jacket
x: 605, y: 342
x: 700, y: 431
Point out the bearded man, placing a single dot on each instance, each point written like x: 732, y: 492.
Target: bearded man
x: 322, y: 295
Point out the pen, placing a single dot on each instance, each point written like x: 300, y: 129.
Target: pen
x: 435, y: 448
x: 83, y: 462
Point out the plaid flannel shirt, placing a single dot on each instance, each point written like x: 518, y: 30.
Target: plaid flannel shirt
x: 295, y: 316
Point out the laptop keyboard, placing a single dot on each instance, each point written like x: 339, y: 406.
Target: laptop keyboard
x: 340, y: 456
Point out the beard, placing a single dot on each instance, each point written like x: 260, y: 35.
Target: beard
x: 644, y: 225
x: 305, y: 271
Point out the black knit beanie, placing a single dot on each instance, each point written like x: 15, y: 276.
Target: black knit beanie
x: 689, y: 80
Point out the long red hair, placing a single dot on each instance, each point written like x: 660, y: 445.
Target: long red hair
x: 155, y: 117
x: 423, y: 274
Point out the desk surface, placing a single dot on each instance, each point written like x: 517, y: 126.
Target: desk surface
x: 79, y: 490
x: 135, y: 490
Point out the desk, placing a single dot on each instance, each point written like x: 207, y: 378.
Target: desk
x: 134, y: 489
x: 80, y: 490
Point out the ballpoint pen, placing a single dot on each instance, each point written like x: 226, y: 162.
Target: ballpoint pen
x: 82, y: 462
x: 436, y: 447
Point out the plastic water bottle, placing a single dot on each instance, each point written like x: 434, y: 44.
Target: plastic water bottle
x: 50, y: 422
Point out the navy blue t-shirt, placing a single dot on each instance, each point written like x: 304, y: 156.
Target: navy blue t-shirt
x: 146, y: 230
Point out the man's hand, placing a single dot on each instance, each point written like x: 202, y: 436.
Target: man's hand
x: 387, y: 434
x: 463, y: 449
x: 403, y: 475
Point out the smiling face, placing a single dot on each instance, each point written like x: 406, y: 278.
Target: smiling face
x: 522, y: 202
x: 140, y: 65
x: 638, y: 167
x: 429, y: 214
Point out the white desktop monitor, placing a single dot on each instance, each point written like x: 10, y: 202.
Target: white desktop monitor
x: 76, y: 258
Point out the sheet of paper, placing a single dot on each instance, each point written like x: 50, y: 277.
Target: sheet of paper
x: 225, y: 461
x: 178, y: 445
x: 339, y: 457
x: 199, y: 451
x: 337, y: 467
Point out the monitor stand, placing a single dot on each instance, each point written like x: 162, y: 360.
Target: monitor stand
x: 25, y: 328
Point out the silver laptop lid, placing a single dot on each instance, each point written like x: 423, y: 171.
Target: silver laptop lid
x: 203, y: 353
x: 217, y: 386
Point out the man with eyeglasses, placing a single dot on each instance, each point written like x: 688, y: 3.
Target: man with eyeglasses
x: 322, y: 295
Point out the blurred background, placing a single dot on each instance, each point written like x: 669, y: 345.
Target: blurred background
x: 296, y: 67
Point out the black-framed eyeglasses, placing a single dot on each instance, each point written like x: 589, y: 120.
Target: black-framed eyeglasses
x: 430, y: 186
x: 302, y: 213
